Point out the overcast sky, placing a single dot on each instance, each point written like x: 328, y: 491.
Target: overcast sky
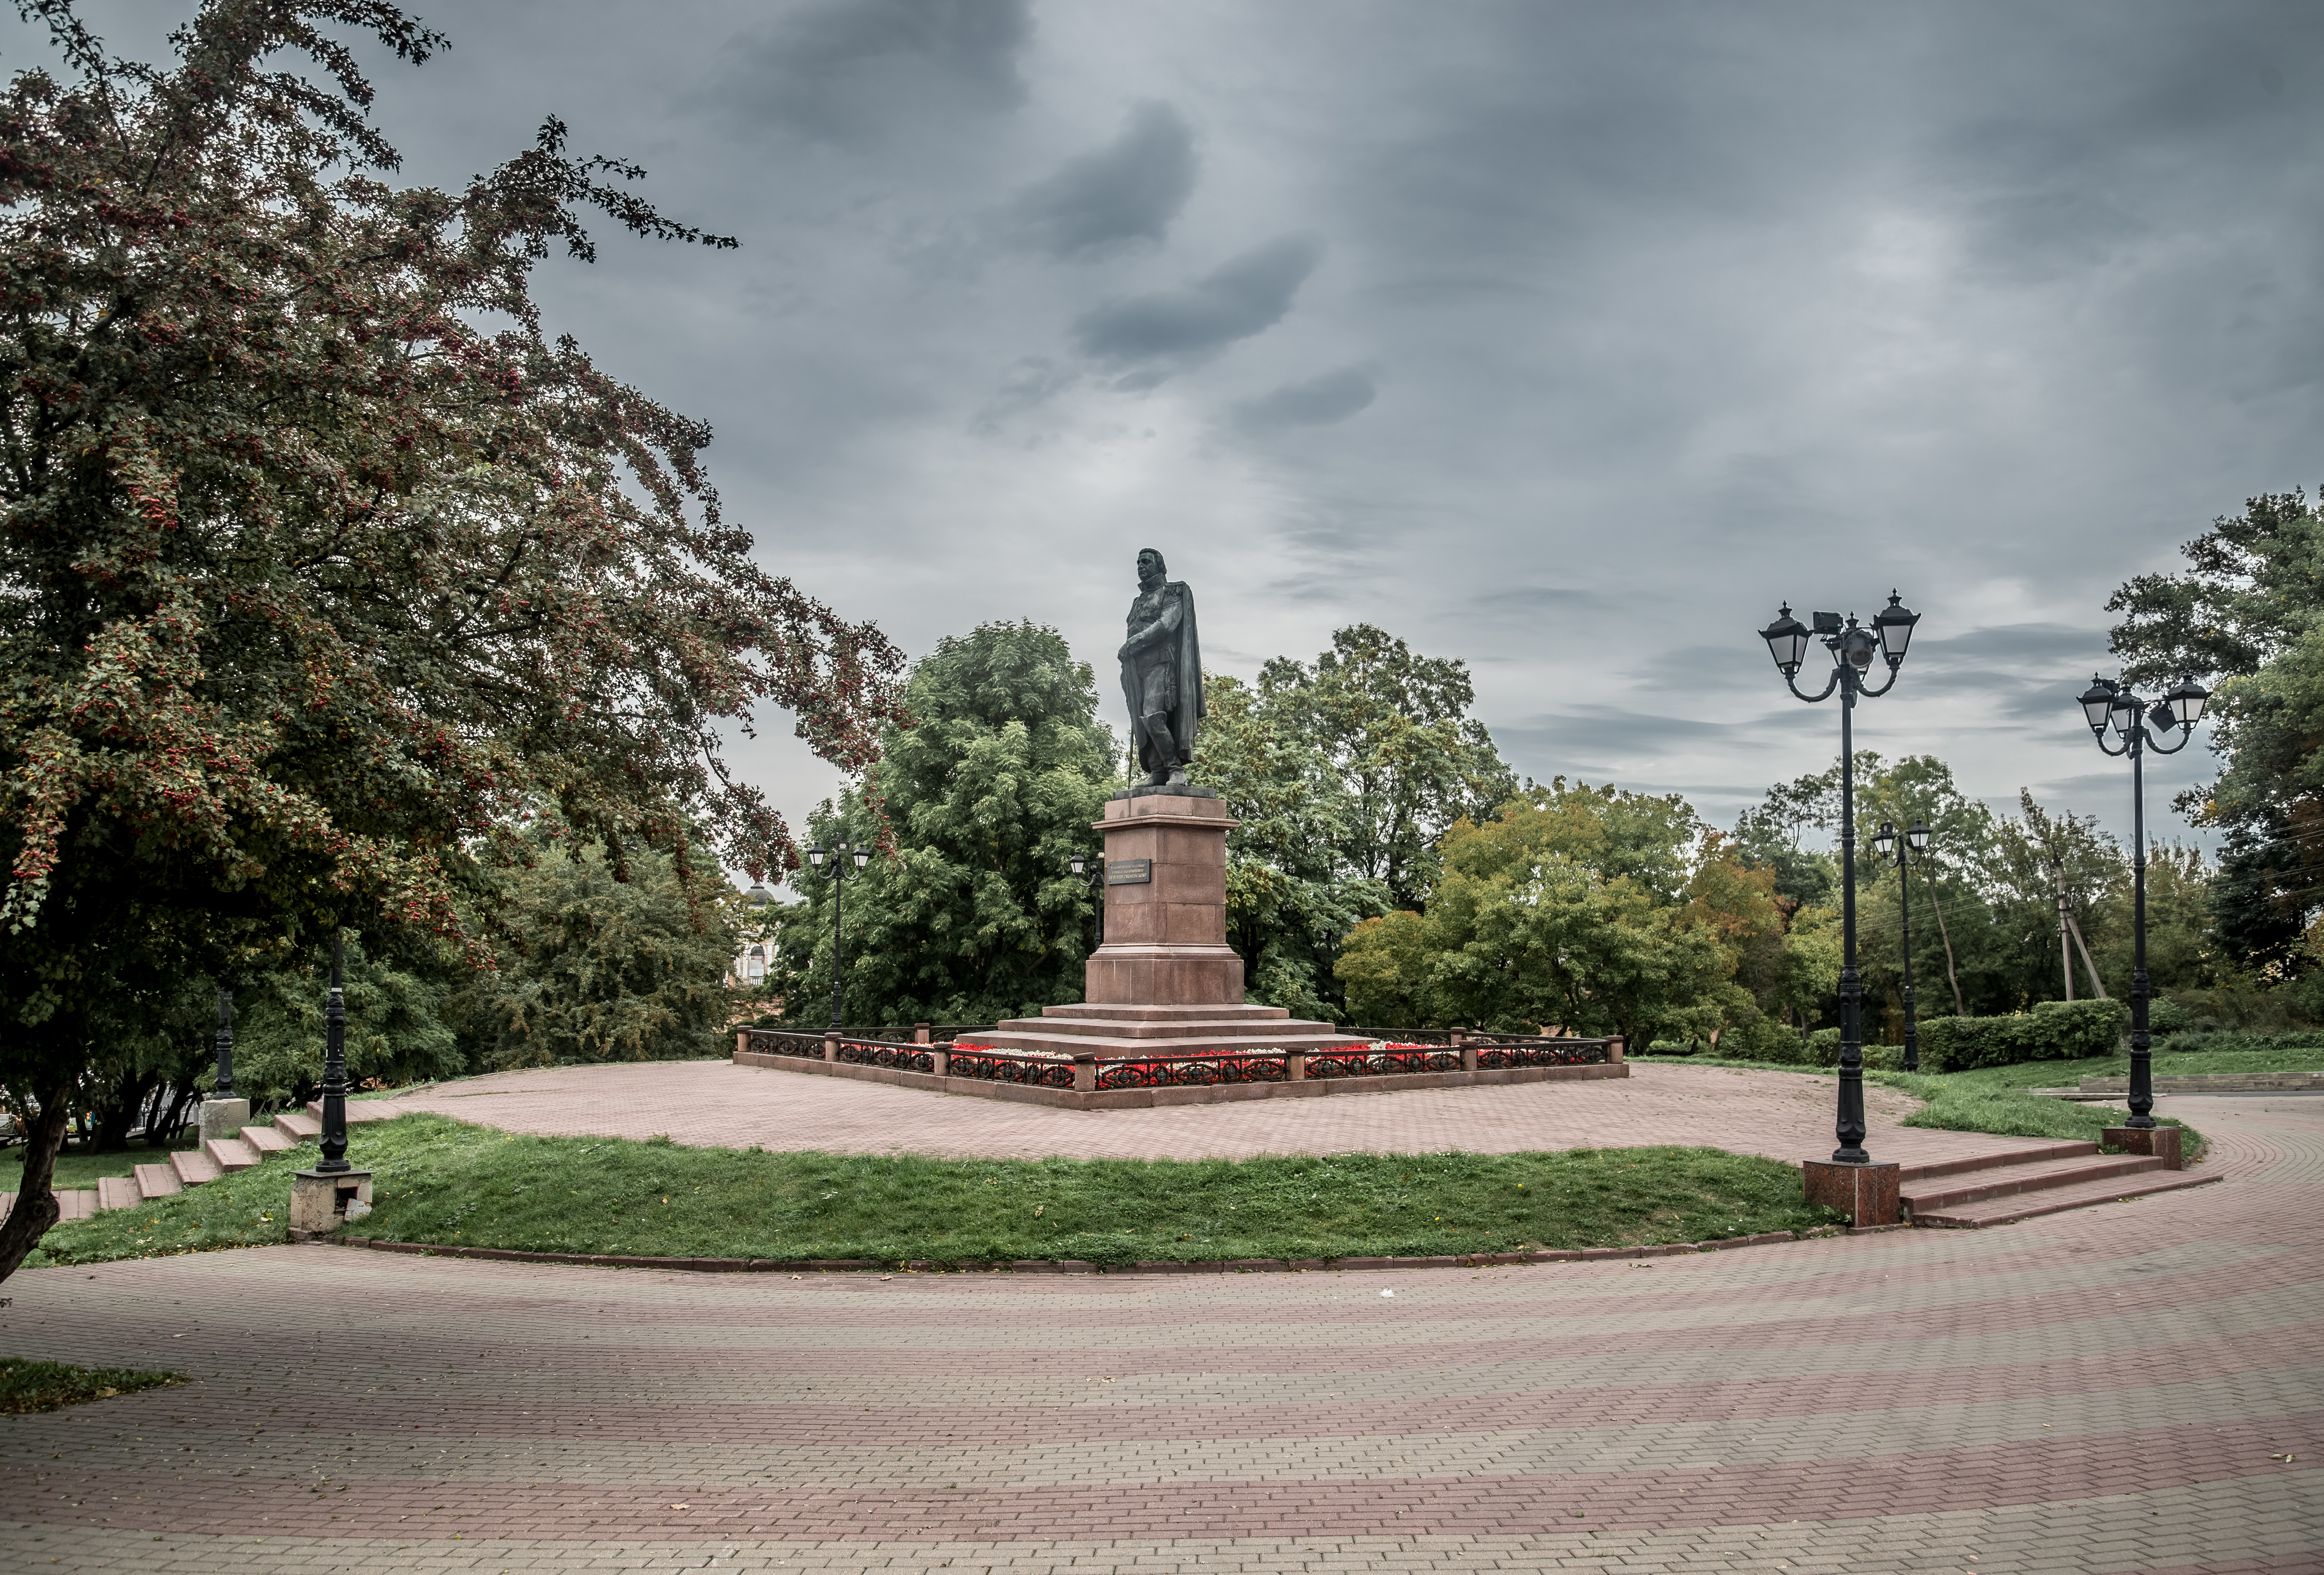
x: 1566, y: 340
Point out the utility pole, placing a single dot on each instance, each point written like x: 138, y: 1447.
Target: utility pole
x: 2065, y: 947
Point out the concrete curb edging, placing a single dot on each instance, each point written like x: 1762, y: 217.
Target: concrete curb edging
x: 1070, y: 1265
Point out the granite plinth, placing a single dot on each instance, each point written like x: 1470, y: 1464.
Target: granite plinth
x: 223, y: 1118
x: 1867, y: 1194
x: 1166, y: 937
x: 2160, y: 1142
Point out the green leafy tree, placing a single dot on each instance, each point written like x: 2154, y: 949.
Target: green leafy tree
x: 1394, y: 731
x: 1568, y: 911
x: 1291, y: 898
x: 320, y: 558
x: 398, y: 1027
x: 970, y: 912
x: 596, y: 968
x: 2247, y: 618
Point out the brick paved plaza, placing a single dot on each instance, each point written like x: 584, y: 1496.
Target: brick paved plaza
x: 712, y: 1103
x: 2099, y: 1391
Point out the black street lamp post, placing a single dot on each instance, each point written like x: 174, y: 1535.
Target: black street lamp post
x: 2108, y: 703
x: 1078, y: 865
x: 1853, y: 648
x: 839, y: 855
x: 335, y: 1065
x: 1909, y: 850
x: 225, y: 1043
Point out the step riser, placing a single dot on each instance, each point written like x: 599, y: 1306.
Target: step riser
x: 2033, y: 1153
x: 2003, y: 1185
x: 2035, y: 1207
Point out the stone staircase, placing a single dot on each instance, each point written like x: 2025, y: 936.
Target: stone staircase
x: 218, y: 1156
x: 2024, y: 1183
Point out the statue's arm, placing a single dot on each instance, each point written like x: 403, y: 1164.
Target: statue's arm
x: 1163, y: 627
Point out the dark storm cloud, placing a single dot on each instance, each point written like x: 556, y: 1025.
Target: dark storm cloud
x: 1688, y: 308
x: 1127, y: 190
x: 1318, y: 401
x: 844, y: 70
x: 1246, y: 295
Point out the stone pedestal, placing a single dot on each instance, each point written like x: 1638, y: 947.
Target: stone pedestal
x: 224, y: 1117
x: 1867, y: 1194
x: 320, y: 1198
x: 1165, y: 906
x: 1165, y: 981
x: 2161, y: 1142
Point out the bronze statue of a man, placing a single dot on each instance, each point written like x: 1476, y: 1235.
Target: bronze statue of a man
x: 1162, y: 674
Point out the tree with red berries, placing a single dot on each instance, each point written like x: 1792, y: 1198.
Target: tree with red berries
x: 321, y: 564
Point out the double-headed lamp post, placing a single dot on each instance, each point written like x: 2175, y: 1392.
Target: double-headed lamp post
x: 838, y: 856
x: 1908, y: 850
x: 1853, y: 648
x: 2107, y: 704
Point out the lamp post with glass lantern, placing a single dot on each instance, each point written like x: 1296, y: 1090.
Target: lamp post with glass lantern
x: 1910, y: 849
x: 1853, y: 648
x: 839, y: 855
x: 2108, y: 703
x: 1078, y: 864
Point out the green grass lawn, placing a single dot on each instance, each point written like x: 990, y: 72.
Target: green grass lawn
x: 26, y: 1387
x: 2172, y: 1063
x: 436, y: 1179
x: 1978, y: 1101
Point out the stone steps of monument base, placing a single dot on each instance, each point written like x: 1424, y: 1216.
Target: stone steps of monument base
x: 1166, y: 1033
x: 1099, y: 1011
x: 1116, y: 1046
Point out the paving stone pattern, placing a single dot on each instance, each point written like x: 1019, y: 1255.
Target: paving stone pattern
x: 717, y: 1104
x: 2105, y: 1391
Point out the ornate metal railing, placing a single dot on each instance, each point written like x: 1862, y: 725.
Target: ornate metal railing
x: 906, y: 1056
x: 1494, y: 1055
x: 1387, y: 1061
x: 773, y: 1042
x: 1001, y: 1066
x: 1193, y: 1072
x: 1039, y: 1069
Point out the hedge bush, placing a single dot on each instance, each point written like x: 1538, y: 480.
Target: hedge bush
x: 1823, y: 1050
x: 2052, y: 1030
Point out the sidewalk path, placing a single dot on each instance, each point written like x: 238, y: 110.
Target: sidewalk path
x: 716, y: 1104
x: 2106, y: 1391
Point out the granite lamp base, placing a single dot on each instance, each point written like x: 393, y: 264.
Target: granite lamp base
x: 1867, y: 1194
x: 321, y: 1201
x: 2160, y: 1142
x: 223, y: 1118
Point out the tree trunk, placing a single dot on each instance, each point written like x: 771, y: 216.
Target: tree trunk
x: 119, y: 1109
x: 35, y: 1209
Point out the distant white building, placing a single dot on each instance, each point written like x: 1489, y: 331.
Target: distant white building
x: 748, y: 972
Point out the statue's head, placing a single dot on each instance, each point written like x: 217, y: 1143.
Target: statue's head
x: 1151, y: 569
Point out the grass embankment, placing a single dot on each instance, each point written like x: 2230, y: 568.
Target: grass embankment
x: 435, y: 1180
x: 2166, y: 1063
x: 26, y: 1387
x: 1976, y: 1101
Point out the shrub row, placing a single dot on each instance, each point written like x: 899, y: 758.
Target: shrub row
x: 2051, y: 1030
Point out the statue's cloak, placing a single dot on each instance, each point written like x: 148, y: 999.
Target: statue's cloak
x: 1188, y: 708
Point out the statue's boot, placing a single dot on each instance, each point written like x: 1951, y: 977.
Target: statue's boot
x: 1158, y: 727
